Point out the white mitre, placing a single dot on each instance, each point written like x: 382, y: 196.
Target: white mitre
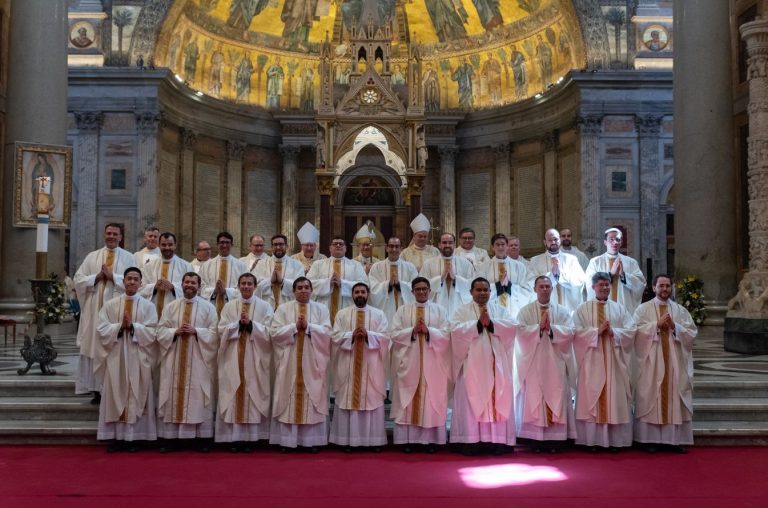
x: 365, y: 233
x: 420, y: 223
x: 308, y: 234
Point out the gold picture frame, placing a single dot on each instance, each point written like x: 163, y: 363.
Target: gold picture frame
x: 55, y: 161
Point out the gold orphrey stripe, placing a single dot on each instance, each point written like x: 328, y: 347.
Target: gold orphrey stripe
x: 416, y: 412
x: 298, y: 390
x: 357, y: 371
x: 241, y: 415
x: 665, y: 416
x: 181, y: 377
x: 602, y: 404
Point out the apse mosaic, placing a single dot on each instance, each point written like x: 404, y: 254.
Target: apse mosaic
x: 476, y: 53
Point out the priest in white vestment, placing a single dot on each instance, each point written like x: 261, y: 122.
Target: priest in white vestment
x: 421, y: 370
x: 150, y: 251
x: 390, y: 280
x: 509, y: 278
x: 664, y: 386
x: 275, y: 275
x: 301, y: 345
x: 466, y: 249
x: 603, y: 342
x: 309, y: 237
x: 449, y: 276
x: 364, y: 239
x: 220, y: 274
x: 359, y: 352
x: 544, y: 368
x: 256, y: 254
x: 127, y: 331
x: 188, y: 345
x: 513, y: 251
x: 98, y: 280
x: 332, y: 278
x: 244, y: 361
x: 419, y: 250
x: 202, y: 255
x: 163, y: 275
x: 567, y: 246
x: 563, y: 269
x: 482, y: 338
x: 627, y: 280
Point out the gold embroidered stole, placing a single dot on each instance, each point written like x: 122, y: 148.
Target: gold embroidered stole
x: 614, y: 280
x: 417, y: 413
x: 504, y: 298
x: 179, y: 404
x: 494, y: 413
x: 223, y: 277
x: 127, y: 309
x: 558, y: 287
x: 256, y: 262
x: 241, y: 409
x: 298, y: 388
x: 277, y: 288
x: 447, y: 267
x: 605, y: 347
x: 666, y: 417
x: 336, y: 292
x: 395, y: 290
x: 543, y: 312
x: 160, y: 302
x: 358, y: 349
x: 109, y: 261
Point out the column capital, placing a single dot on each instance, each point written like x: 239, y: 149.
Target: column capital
x: 148, y: 121
x: 589, y: 124
x: 188, y: 138
x: 289, y: 152
x: 648, y: 125
x: 550, y: 140
x: 235, y: 150
x: 448, y: 153
x: 89, y: 120
x: 325, y: 185
x: 502, y: 150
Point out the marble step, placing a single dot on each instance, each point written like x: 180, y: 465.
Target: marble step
x: 38, y: 387
x: 730, y: 388
x: 731, y: 408
x: 730, y: 433
x: 54, y: 432
x: 48, y: 409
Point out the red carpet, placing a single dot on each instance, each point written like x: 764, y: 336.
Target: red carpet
x: 88, y: 476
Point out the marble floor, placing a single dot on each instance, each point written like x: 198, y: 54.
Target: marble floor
x: 711, y: 362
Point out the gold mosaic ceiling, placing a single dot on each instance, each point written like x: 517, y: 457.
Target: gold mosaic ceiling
x: 477, y: 53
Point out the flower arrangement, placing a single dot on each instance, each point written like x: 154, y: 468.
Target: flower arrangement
x: 54, y: 307
x: 689, y: 292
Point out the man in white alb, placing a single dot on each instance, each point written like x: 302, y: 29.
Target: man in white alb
x: 332, y: 278
x: 308, y: 236
x: 256, y: 254
x: 567, y: 246
x: 449, y: 276
x: 220, y: 274
x: 627, y: 280
x: 150, y: 250
x: 163, y: 275
x: 390, y: 280
x: 364, y: 238
x: 513, y: 250
x: 275, y: 275
x: 466, y: 249
x: 202, y: 254
x: 563, y: 269
x: 509, y: 278
x: 419, y: 250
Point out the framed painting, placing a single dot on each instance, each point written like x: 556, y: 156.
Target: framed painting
x: 31, y: 162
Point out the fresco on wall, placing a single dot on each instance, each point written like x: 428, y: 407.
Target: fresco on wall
x: 616, y: 24
x: 267, y: 52
x: 124, y: 19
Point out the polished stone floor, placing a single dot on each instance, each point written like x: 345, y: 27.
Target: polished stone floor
x: 711, y: 362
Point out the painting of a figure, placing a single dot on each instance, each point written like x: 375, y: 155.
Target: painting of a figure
x: 217, y: 64
x: 82, y: 35
x: 544, y: 52
x: 491, y: 75
x: 352, y: 11
x: 517, y: 61
x: 191, y: 54
x: 298, y: 16
x: 242, y: 12
x: 655, y: 38
x: 448, y: 18
x: 397, y: 78
x: 243, y: 78
x: 307, y: 88
x: 53, y: 163
x: 463, y: 75
x: 275, y: 78
x: 431, y: 84
x: 173, y: 50
x: 490, y: 15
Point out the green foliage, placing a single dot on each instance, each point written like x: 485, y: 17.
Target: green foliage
x: 54, y: 308
x: 445, y: 66
x: 689, y: 292
x: 615, y: 16
x: 261, y: 61
x: 475, y: 61
x: 122, y: 18
x: 502, y: 55
x: 292, y: 66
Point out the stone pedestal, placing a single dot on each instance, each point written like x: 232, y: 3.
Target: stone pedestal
x: 290, y: 155
x: 705, y: 223
x: 746, y: 325
x: 36, y: 113
x: 448, y: 189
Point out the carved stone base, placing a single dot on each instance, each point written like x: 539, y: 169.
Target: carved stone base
x: 38, y: 350
x: 747, y: 336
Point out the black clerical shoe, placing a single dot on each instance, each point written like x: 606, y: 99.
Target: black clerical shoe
x: 678, y: 449
x: 96, y: 400
x: 115, y: 446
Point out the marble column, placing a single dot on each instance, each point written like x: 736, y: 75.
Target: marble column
x: 448, y: 188
x: 550, y: 143
x: 289, y: 199
x: 705, y: 222
x: 502, y: 190
x: 651, y: 235
x: 36, y: 113
x: 590, y: 127
x: 187, y: 242
x: 85, y: 176
x: 234, y: 205
x: 325, y: 190
x: 147, y: 214
x: 413, y: 199
x: 746, y: 324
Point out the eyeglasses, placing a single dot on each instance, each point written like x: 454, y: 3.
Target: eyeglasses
x: 198, y: 250
x: 467, y: 237
x: 338, y: 244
